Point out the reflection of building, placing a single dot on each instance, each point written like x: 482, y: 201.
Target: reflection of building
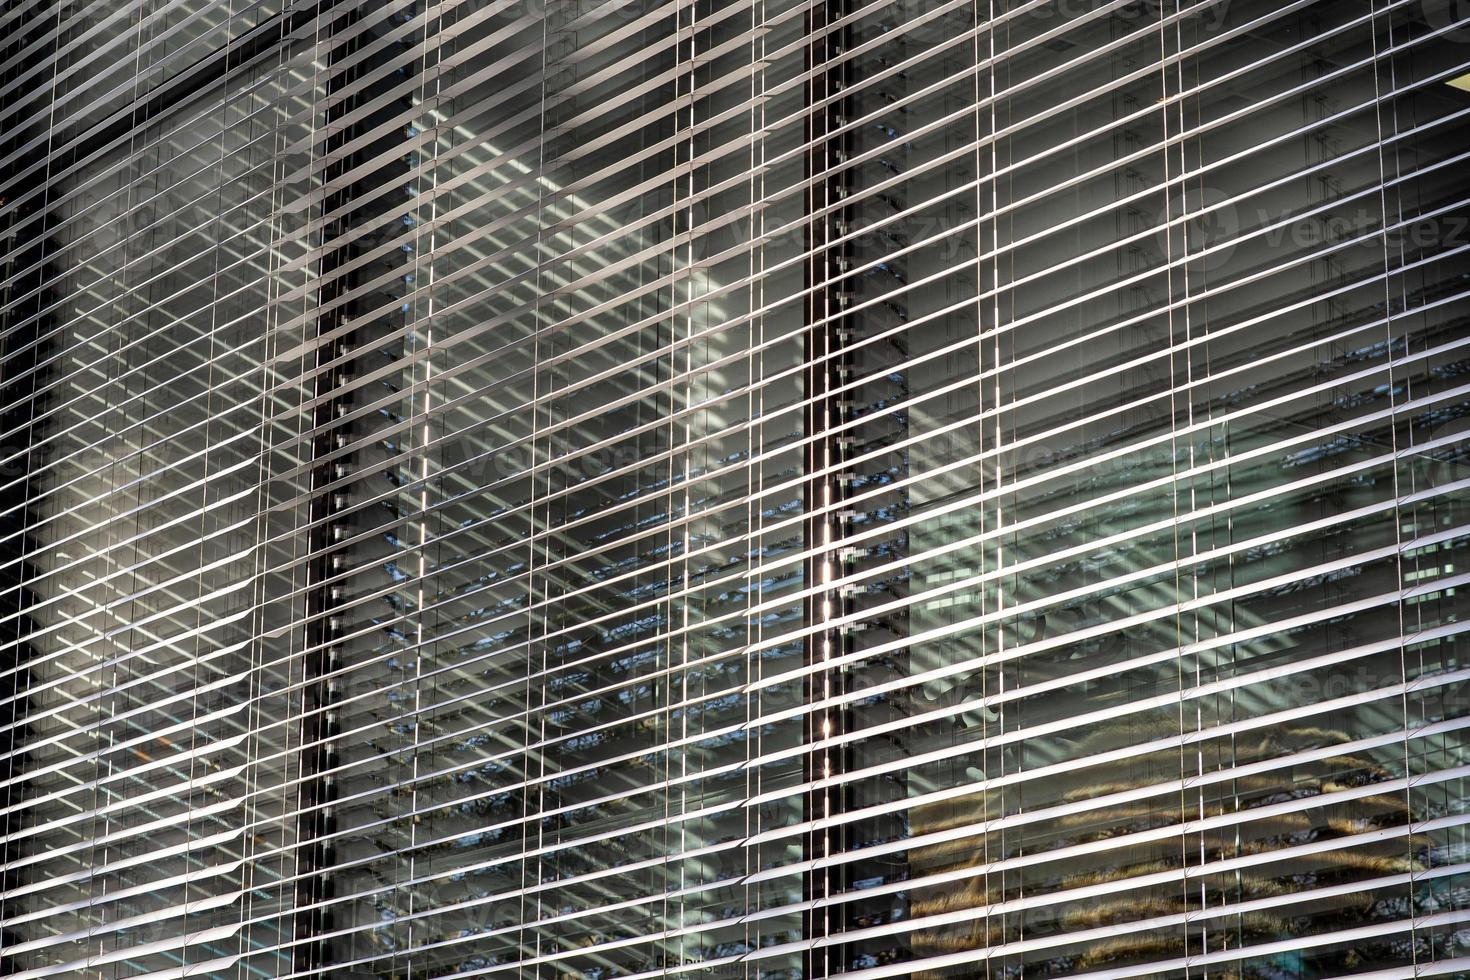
x: 599, y: 490
x: 1286, y: 871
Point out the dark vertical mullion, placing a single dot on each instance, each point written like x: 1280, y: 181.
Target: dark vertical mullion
x: 345, y: 336
x: 314, y: 821
x: 824, y: 490
x: 23, y: 325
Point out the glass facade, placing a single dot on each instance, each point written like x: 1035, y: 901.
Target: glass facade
x: 588, y: 489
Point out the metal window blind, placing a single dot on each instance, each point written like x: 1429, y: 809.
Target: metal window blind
x: 562, y: 488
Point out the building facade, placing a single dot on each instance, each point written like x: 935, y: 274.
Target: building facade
x: 593, y: 489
